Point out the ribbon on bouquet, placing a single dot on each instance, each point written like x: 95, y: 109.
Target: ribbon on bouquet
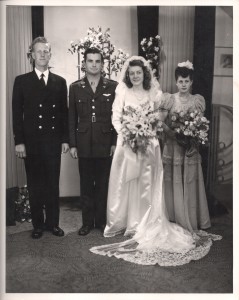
x: 133, y: 164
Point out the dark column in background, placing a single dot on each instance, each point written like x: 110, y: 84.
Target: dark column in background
x: 203, y: 60
x: 148, y: 19
x: 37, y: 21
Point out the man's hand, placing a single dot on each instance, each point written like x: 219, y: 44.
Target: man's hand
x: 73, y: 152
x: 20, y: 151
x: 112, y: 150
x: 64, y: 147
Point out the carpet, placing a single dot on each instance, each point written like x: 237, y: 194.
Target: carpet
x: 65, y: 265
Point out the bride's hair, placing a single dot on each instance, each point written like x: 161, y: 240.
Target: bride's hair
x: 146, y: 71
x: 184, y: 72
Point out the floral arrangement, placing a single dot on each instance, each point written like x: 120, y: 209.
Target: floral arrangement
x: 139, y: 125
x: 191, y: 128
x: 100, y: 40
x: 22, y: 206
x: 152, y: 48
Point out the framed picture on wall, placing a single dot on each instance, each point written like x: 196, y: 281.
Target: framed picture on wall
x: 223, y: 62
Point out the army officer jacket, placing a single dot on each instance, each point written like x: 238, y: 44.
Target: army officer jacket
x: 90, y: 125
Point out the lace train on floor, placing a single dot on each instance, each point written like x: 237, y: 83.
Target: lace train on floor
x: 129, y: 251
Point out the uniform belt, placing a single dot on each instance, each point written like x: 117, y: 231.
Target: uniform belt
x: 94, y: 119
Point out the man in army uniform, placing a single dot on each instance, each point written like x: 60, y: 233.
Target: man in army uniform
x: 92, y: 138
x: 40, y: 127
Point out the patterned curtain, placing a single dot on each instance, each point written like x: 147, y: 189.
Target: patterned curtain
x: 18, y: 39
x: 176, y: 28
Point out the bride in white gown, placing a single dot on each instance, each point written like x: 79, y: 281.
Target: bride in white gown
x: 136, y: 205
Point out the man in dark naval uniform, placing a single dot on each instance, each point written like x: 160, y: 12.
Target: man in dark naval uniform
x: 92, y: 138
x: 40, y: 127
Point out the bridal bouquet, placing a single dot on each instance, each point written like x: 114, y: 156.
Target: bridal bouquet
x: 191, y: 128
x: 139, y: 126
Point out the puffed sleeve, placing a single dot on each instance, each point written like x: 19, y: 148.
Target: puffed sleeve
x: 118, y: 106
x: 158, y: 99
x: 199, y: 102
x: 166, y: 101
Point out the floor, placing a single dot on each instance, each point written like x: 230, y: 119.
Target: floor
x: 65, y: 265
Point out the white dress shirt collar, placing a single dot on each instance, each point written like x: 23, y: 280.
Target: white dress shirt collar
x: 46, y: 74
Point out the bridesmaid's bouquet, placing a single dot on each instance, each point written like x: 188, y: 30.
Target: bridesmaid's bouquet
x: 140, y: 125
x: 191, y: 128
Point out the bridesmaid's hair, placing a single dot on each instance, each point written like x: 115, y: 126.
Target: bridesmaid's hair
x: 93, y: 50
x: 184, y: 72
x: 147, y: 75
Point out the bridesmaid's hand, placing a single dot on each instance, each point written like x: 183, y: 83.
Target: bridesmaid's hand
x: 191, y: 151
x: 168, y: 130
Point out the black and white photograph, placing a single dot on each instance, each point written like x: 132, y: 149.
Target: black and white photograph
x: 117, y: 155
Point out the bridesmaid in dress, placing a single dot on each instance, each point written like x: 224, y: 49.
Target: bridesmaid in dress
x: 185, y: 195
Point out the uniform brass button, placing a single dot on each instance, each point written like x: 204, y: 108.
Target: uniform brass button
x: 79, y: 100
x: 53, y: 127
x: 93, y: 100
x: 93, y: 107
x: 40, y: 116
x: 108, y: 100
x: 40, y: 105
x: 53, y: 105
x: 40, y: 127
x: 53, y: 117
x: 93, y: 114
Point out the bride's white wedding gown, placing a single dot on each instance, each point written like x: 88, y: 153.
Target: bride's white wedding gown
x: 136, y: 204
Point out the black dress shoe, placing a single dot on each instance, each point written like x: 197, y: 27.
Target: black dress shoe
x: 37, y: 233
x: 84, y: 230
x: 57, y: 231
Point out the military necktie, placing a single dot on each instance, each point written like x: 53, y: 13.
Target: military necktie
x: 42, y: 80
x: 93, y: 86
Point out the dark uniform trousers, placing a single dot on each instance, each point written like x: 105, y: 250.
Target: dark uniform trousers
x: 43, y: 172
x: 40, y: 122
x: 92, y: 132
x: 94, y: 176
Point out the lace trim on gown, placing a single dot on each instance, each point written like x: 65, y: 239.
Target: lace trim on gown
x: 128, y: 251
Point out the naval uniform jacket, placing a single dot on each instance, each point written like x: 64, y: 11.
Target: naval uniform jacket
x: 40, y: 114
x: 90, y: 127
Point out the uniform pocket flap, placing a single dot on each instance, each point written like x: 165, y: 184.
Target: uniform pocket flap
x: 82, y: 128
x: 107, y: 129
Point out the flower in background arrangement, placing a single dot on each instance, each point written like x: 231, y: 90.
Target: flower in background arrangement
x: 22, y: 206
x: 191, y: 128
x: 117, y: 60
x: 139, y: 126
x: 152, y: 48
x: 100, y: 40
